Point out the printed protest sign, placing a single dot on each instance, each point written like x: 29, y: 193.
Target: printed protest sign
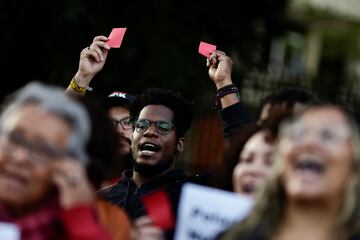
x: 204, y: 212
x: 9, y: 231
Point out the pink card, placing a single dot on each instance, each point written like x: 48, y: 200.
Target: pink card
x: 206, y: 49
x: 158, y: 208
x: 116, y: 36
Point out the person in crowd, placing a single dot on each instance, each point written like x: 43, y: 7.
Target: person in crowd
x: 116, y: 104
x: 228, y: 104
x: 164, y: 144
x: 162, y: 118
x: 282, y: 104
x: 92, y: 60
x: 248, y: 154
x: 313, y: 189
x: 255, y: 160
x: 44, y: 189
x: 253, y: 145
x: 239, y: 128
x: 276, y: 106
x: 103, y: 166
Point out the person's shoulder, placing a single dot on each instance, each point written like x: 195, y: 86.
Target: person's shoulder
x: 114, y: 219
x: 108, y: 190
x: 205, y: 178
x: 179, y: 177
x: 108, y: 209
x: 355, y: 237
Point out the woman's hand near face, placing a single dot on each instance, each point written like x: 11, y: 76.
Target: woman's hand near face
x: 73, y: 185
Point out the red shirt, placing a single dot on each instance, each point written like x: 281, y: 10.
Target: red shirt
x: 52, y: 222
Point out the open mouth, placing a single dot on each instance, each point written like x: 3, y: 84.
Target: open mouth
x: 248, y: 188
x: 14, y: 181
x: 149, y: 148
x: 310, y: 163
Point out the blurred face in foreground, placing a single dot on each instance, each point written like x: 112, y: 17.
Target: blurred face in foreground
x: 254, y: 164
x: 31, y: 142
x: 317, y: 155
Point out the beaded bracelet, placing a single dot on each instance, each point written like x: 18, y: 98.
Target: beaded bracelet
x: 221, y: 92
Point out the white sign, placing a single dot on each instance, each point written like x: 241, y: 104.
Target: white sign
x: 205, y: 212
x: 9, y: 231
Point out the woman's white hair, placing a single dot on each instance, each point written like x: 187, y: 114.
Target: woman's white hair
x: 53, y: 99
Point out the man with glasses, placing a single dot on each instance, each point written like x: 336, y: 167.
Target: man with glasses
x: 162, y: 118
x: 117, y: 107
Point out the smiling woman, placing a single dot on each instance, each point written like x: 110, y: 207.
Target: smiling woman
x: 313, y: 190
x: 44, y: 189
x: 255, y: 161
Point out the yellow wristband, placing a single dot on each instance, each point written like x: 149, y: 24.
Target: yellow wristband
x: 74, y: 86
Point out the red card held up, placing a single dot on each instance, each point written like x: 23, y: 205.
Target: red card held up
x: 158, y: 208
x: 206, y: 49
x: 116, y: 36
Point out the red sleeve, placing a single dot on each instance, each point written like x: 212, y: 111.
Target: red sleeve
x: 80, y: 223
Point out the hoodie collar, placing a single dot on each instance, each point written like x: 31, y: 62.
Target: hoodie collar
x: 171, y: 175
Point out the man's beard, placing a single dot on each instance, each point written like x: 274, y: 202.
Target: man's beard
x: 149, y: 171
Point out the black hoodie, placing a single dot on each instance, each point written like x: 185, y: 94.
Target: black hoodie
x: 128, y: 196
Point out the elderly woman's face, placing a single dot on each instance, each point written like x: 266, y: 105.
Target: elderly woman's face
x: 317, y: 155
x: 254, y: 164
x: 31, y: 142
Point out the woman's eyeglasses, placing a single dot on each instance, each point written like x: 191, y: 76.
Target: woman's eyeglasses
x: 39, y: 153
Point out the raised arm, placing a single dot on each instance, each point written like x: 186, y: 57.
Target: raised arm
x: 231, y: 110
x: 220, y: 67
x: 92, y: 60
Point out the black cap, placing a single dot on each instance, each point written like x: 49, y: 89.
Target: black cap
x: 117, y: 99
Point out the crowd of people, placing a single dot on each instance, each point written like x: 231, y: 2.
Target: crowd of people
x: 72, y: 168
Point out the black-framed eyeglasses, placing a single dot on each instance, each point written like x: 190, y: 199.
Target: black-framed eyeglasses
x: 125, y: 123
x: 39, y: 153
x: 162, y: 127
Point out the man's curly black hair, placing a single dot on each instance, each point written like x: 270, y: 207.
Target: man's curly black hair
x: 181, y: 107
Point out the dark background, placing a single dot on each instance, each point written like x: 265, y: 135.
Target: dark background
x: 41, y: 40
